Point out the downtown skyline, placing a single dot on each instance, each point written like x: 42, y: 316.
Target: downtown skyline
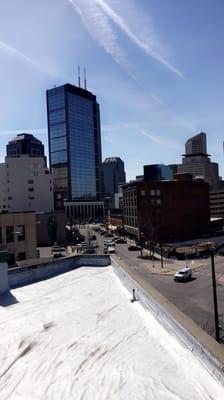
x: 156, y: 70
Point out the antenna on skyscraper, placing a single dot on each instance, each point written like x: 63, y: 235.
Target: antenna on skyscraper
x: 85, y: 78
x: 79, y: 75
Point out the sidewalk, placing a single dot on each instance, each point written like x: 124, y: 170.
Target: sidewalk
x: 170, y: 266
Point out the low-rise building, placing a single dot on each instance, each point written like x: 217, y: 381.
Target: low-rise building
x: 18, y: 235
x: 166, y: 210
x: 84, y: 211
x: 25, y: 181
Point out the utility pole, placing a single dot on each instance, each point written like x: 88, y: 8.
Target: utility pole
x: 161, y: 251
x: 216, y: 315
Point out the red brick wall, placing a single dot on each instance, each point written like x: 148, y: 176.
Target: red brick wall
x: 183, y: 213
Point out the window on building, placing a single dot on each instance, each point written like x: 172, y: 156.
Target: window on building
x: 152, y: 192
x: 21, y: 230
x: 30, y: 181
x: 31, y: 189
x: 10, y: 234
x: 21, y: 256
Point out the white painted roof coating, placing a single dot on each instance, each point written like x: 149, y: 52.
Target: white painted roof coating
x: 78, y: 336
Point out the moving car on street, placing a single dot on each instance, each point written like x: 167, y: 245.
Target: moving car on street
x: 184, y: 274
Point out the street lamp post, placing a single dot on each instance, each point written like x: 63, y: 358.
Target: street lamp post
x: 216, y: 315
x: 161, y: 251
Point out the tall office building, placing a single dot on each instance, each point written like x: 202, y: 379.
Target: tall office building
x: 113, y: 175
x: 196, y: 145
x: 75, y: 150
x: 197, y: 162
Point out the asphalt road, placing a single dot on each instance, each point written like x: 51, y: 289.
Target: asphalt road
x: 194, y: 298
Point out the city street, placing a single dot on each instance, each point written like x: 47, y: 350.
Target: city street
x: 194, y: 298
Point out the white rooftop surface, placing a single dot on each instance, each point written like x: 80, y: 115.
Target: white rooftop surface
x: 78, y: 336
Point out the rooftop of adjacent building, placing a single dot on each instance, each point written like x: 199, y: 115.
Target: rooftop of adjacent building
x: 52, y: 348
x: 25, y: 137
x: 196, y: 145
x: 179, y: 178
x: 25, y: 144
x: 112, y: 160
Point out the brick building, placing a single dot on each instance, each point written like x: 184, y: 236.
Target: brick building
x: 18, y: 236
x: 167, y: 210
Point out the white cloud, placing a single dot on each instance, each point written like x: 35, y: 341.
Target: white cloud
x: 98, y: 25
x: 154, y: 139
x: 16, y: 53
x: 147, y: 46
x: 97, y: 16
x: 160, y: 141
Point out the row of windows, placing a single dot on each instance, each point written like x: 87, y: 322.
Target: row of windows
x: 83, y: 165
x: 130, y: 194
x: 83, y: 148
x: 130, y: 213
x: 59, y: 157
x: 57, y: 116
x: 60, y: 183
x: 80, y: 104
x: 56, y: 100
x: 130, y: 221
x: 57, y: 130
x: 80, y: 120
x: 59, y: 143
x: 12, y: 231
x: 83, y: 181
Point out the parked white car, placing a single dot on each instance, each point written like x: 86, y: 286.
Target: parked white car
x: 183, y: 275
x: 110, y: 249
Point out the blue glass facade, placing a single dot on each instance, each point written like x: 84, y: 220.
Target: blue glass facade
x: 157, y: 172
x: 74, y: 143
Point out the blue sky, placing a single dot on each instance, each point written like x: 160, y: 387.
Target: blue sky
x: 156, y: 67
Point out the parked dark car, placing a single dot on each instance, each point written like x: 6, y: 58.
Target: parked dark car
x: 134, y: 248
x: 109, y: 235
x: 58, y: 255
x: 120, y: 241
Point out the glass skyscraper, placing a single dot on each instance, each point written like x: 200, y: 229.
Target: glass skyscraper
x: 113, y: 175
x: 74, y: 144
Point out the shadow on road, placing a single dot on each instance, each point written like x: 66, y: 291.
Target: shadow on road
x: 188, y: 281
x: 8, y: 299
